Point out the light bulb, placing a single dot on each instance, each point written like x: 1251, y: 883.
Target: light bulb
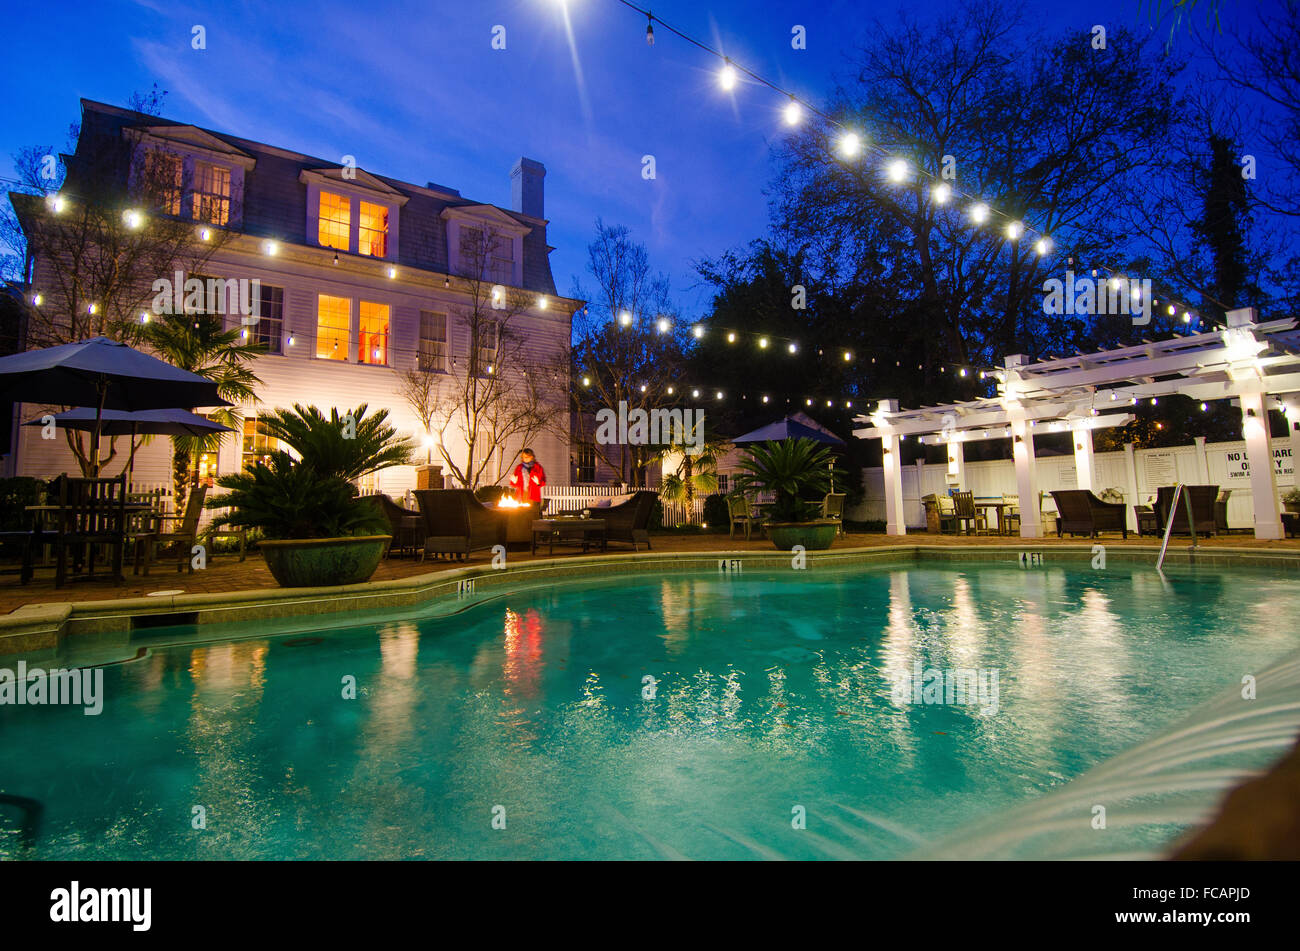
x: 727, y: 77
x: 941, y: 193
x: 850, y: 144
x: 979, y: 213
x: 896, y: 170
x: 793, y: 112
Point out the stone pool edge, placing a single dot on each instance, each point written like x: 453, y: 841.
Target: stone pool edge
x: 41, y: 627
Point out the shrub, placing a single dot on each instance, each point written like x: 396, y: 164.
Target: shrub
x: 715, y: 510
x: 15, y: 495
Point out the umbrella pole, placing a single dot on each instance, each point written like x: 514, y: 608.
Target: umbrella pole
x: 94, y: 437
x: 130, y: 463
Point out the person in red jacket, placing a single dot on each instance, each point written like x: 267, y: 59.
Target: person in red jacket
x: 528, y: 479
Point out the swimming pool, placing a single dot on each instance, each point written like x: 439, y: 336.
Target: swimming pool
x: 760, y: 715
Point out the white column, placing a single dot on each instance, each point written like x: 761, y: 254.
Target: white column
x: 1022, y: 451
x: 956, y: 462
x: 892, y: 463
x: 1084, y: 459
x: 1131, y: 478
x: 1202, y: 462
x: 1259, y: 450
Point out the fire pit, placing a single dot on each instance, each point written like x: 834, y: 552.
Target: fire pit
x: 519, y: 518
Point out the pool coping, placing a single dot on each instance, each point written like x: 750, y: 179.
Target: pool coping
x: 46, y: 626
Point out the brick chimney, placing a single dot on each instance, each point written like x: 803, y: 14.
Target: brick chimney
x: 527, y: 192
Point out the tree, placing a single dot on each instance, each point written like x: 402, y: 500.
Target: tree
x: 201, y: 344
x: 628, y: 346
x: 91, y: 232
x: 691, y: 466
x: 501, y: 394
x: 1052, y: 133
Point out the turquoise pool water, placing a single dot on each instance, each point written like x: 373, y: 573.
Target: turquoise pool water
x: 774, y: 695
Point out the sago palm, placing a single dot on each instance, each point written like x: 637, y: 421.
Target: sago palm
x: 797, y: 471
x: 349, y: 447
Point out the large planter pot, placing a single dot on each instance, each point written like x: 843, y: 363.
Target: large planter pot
x: 813, y: 536
x: 1291, y: 507
x: 321, y: 562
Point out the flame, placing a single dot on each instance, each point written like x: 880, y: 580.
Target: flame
x: 506, y: 502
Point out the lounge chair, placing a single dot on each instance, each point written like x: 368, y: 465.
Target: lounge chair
x: 405, y: 526
x: 457, y: 524
x: 1082, y: 513
x: 629, y: 521
x: 1203, y: 499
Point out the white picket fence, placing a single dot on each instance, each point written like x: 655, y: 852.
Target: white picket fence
x: 573, y: 498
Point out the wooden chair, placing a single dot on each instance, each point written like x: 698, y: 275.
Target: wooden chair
x: 948, y: 515
x: 91, y: 512
x: 972, y: 520
x: 833, y: 507
x: 180, y: 539
x: 1010, y: 514
x: 739, y: 513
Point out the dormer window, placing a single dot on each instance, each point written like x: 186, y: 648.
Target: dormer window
x: 164, y: 174
x: 211, y: 193
x: 372, y: 236
x: 357, y: 213
x: 189, y: 173
x: 335, y: 221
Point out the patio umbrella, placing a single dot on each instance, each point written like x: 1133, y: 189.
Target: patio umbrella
x: 794, y: 426
x: 149, y: 422
x: 103, y: 374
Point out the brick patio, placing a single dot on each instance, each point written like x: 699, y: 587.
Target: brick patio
x: 226, y: 573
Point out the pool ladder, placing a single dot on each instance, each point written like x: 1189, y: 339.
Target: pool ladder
x: 1169, y: 526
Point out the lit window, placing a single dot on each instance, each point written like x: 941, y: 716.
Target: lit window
x: 335, y: 221
x: 211, y: 193
x: 333, y: 323
x: 373, y: 345
x: 257, y: 445
x: 373, y: 235
x: 433, y: 341
x: 163, y: 181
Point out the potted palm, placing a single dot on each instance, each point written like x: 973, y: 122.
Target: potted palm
x: 798, y: 472
x: 1291, y: 500
x: 317, y: 529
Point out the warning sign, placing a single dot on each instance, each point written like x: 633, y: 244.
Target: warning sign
x: 1283, y: 465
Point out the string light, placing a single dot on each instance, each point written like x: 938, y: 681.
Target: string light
x: 896, y: 170
x: 941, y: 193
x: 792, y: 112
x: 727, y: 77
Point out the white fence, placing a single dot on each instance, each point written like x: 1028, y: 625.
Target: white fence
x: 1136, y: 475
x: 572, y: 498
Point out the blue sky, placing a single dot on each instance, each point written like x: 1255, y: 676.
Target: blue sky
x: 415, y: 91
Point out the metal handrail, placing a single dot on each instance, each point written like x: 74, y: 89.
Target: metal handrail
x: 1169, y: 525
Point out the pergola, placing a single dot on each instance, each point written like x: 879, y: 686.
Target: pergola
x: 1247, y: 361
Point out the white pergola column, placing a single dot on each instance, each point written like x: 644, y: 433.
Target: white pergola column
x: 956, y: 463
x: 1259, y: 450
x: 1022, y: 451
x: 892, y: 462
x: 1084, y: 459
x: 1131, y: 478
x: 1202, y: 461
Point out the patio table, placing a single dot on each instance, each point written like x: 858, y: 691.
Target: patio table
x: 999, y: 505
x: 584, y: 530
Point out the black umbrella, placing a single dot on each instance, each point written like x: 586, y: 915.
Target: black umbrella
x: 103, y: 374
x: 149, y: 422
